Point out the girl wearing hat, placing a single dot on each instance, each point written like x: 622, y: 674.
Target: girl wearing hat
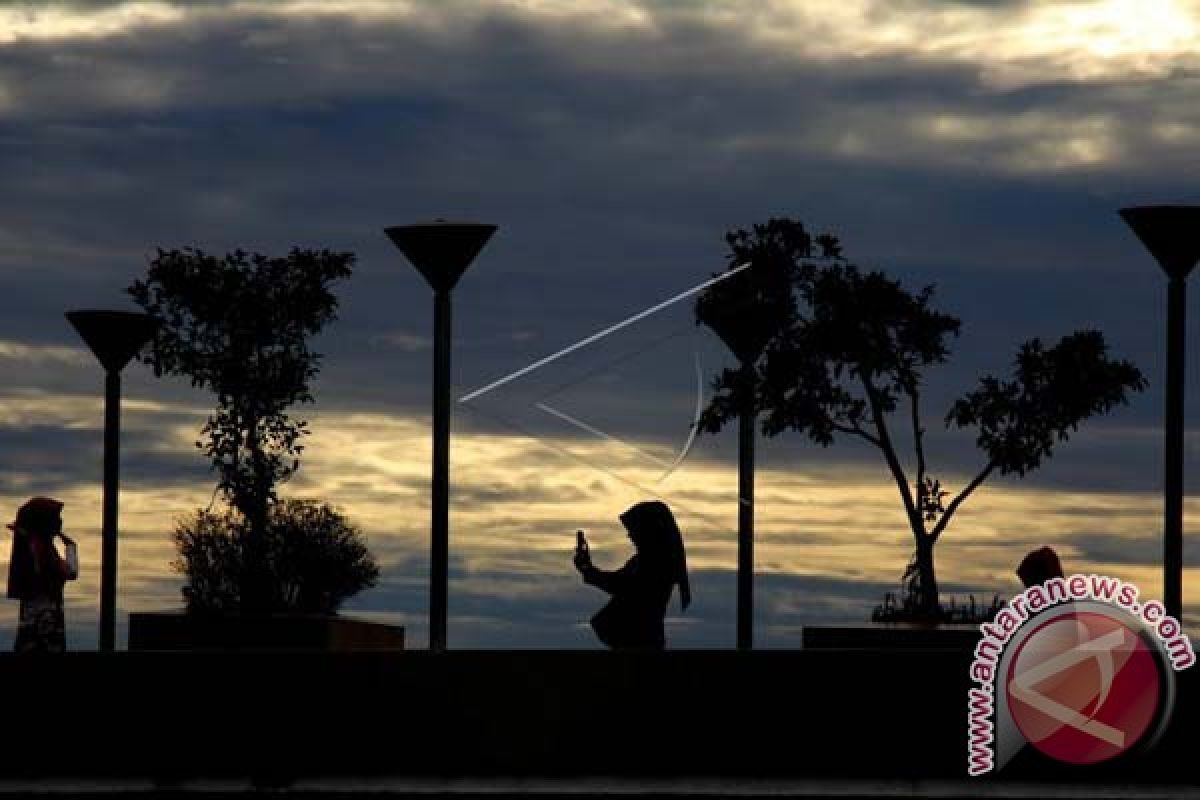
x: 36, y: 575
x: 633, y: 618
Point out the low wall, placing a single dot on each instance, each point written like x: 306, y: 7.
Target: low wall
x: 189, y: 632
x: 893, y: 714
x: 888, y: 635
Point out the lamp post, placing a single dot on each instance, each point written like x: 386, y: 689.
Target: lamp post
x: 1172, y: 235
x: 441, y: 251
x: 747, y: 420
x: 114, y: 337
x: 745, y: 324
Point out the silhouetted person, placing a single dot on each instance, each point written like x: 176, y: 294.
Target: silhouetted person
x: 633, y: 618
x: 36, y: 575
x: 1039, y: 566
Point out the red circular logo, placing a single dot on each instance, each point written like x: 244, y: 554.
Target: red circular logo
x: 1083, y: 687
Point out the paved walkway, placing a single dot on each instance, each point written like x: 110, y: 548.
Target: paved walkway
x: 604, y: 787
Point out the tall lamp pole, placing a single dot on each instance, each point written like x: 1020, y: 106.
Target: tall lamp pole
x: 1172, y: 235
x: 745, y: 329
x: 747, y: 421
x: 114, y: 337
x: 441, y: 251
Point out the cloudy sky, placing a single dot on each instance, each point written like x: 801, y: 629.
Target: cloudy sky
x: 981, y: 145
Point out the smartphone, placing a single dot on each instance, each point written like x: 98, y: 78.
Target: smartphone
x: 581, y: 544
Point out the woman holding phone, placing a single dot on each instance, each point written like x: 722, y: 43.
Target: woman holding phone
x: 641, y: 590
x: 37, y: 574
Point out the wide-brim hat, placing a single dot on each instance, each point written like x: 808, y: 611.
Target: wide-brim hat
x: 36, y: 513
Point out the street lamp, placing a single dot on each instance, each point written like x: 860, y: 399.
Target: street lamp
x: 745, y: 326
x: 114, y: 337
x: 441, y: 251
x: 1172, y: 235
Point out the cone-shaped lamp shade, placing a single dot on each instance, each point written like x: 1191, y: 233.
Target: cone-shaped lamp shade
x: 745, y: 335
x: 1170, y: 233
x: 114, y: 336
x: 441, y: 251
x: 746, y: 310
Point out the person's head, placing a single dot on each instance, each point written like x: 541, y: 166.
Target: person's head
x: 1039, y: 566
x: 650, y: 526
x: 655, y: 535
x: 41, y: 519
x: 40, y: 516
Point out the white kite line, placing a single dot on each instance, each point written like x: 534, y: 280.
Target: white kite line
x: 554, y: 412
x: 600, y: 334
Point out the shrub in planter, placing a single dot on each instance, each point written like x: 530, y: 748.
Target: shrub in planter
x: 908, y: 608
x: 239, y: 326
x: 315, y: 559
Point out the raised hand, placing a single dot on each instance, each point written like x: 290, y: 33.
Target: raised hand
x: 583, y: 560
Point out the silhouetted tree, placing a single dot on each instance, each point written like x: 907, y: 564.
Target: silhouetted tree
x: 316, y: 559
x: 855, y: 349
x: 239, y: 326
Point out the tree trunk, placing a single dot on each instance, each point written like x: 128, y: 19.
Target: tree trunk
x: 254, y: 592
x: 926, y: 579
x: 254, y: 574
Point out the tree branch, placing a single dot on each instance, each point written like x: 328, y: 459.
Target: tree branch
x: 918, y: 437
x: 918, y: 445
x: 889, y: 455
x: 958, y: 501
x: 856, y: 431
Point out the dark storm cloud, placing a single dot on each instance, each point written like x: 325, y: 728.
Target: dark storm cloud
x: 252, y: 123
x: 1143, y: 550
x: 613, y: 157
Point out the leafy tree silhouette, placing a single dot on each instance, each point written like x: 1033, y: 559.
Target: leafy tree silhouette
x: 316, y: 559
x: 854, y: 348
x: 239, y: 326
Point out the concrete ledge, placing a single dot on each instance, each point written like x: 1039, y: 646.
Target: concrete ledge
x: 885, y: 635
x: 284, y: 718
x: 177, y: 631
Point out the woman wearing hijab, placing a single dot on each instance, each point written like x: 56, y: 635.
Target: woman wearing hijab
x: 633, y: 618
x: 36, y: 575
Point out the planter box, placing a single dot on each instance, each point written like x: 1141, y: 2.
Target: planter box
x: 890, y: 635
x: 180, y: 631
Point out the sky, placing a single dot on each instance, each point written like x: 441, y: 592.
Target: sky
x: 982, y: 146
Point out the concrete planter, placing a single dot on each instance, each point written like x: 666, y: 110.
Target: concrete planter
x: 173, y: 631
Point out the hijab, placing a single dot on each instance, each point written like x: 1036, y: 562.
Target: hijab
x: 39, y: 517
x: 656, y: 536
